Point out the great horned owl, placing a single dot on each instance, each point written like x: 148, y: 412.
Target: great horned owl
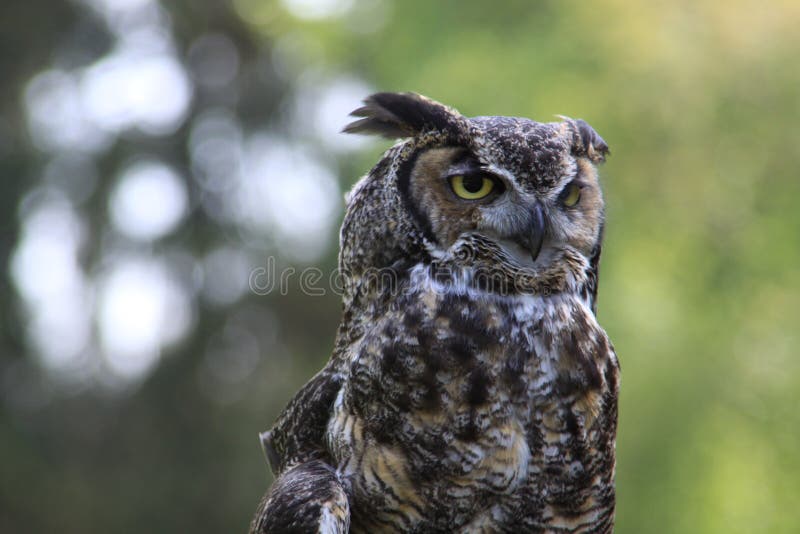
x: 471, y: 388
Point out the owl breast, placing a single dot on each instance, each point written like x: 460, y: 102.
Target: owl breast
x: 464, y: 409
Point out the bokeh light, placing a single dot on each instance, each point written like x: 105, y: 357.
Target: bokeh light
x: 56, y: 120
x: 46, y: 270
x: 287, y: 192
x: 126, y: 90
x: 148, y: 201
x: 317, y: 9
x: 141, y: 309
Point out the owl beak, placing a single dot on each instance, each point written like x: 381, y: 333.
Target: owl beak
x: 533, y: 238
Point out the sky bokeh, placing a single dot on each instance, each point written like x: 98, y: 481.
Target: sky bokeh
x: 160, y: 158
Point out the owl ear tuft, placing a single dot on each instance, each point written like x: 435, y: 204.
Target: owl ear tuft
x: 586, y: 141
x: 398, y: 115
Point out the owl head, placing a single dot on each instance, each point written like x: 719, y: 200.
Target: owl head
x: 528, y: 189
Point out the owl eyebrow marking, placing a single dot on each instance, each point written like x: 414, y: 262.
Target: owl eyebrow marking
x: 577, y: 181
x: 466, y: 164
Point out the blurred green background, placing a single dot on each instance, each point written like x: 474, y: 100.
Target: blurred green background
x: 156, y: 153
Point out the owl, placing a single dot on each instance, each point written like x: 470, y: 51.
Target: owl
x: 471, y: 388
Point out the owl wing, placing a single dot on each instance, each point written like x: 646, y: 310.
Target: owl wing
x: 592, y: 275
x: 307, y: 497
x: 298, y: 433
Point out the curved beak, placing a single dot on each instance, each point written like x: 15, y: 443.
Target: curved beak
x: 532, y: 237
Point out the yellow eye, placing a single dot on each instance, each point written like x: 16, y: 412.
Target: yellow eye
x: 471, y: 186
x: 571, y: 195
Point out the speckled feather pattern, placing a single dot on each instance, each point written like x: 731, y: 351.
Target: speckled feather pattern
x: 454, y: 401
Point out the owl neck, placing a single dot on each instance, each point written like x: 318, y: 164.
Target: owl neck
x: 481, y: 263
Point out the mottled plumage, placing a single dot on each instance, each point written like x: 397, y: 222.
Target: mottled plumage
x: 471, y: 388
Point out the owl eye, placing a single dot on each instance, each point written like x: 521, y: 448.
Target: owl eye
x: 472, y: 186
x: 571, y: 195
